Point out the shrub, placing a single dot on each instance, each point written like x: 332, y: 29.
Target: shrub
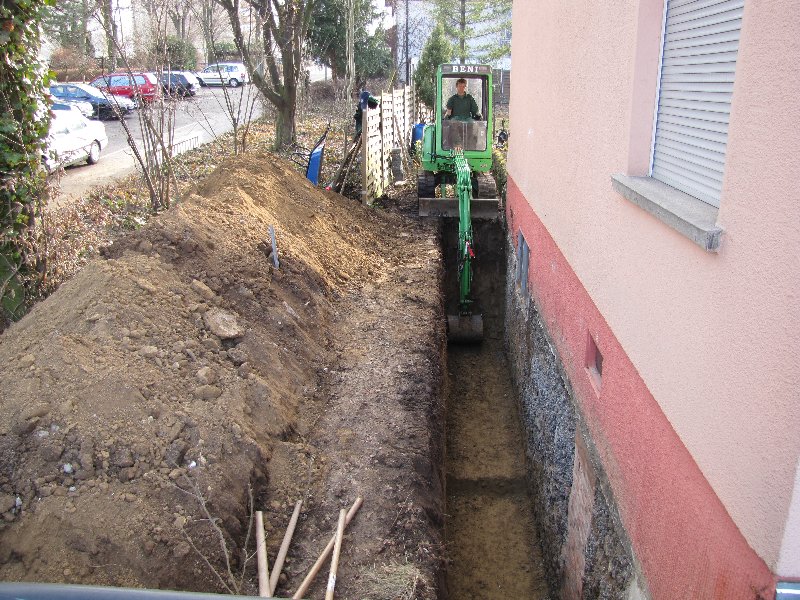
x: 24, y: 122
x: 177, y: 54
x: 69, y: 65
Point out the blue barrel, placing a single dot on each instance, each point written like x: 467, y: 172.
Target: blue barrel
x: 416, y: 135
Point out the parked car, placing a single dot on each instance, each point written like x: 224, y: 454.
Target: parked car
x: 192, y: 78
x: 78, y: 106
x: 177, y: 84
x: 144, y: 86
x: 104, y: 105
x: 72, y: 139
x: 232, y: 74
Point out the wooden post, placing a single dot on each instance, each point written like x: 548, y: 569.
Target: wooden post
x: 365, y: 199
x: 337, y: 549
x: 261, y: 554
x: 287, y: 539
x: 325, y: 553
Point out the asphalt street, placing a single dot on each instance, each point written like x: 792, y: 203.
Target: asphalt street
x: 198, y: 120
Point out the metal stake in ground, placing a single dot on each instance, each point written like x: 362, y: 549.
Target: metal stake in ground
x: 275, y: 260
x: 337, y: 548
x: 325, y: 553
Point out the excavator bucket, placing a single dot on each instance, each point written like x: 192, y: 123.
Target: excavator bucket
x: 464, y: 329
x: 481, y: 208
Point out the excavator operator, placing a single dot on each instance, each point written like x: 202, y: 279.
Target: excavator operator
x: 461, y: 105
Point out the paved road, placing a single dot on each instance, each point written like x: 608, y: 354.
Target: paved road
x: 197, y: 120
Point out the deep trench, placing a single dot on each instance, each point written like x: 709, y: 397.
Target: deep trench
x: 490, y: 534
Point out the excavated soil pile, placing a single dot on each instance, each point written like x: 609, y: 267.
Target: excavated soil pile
x: 146, y: 401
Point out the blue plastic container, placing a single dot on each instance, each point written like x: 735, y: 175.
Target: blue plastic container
x: 416, y: 134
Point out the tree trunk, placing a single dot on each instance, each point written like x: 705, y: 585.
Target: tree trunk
x: 462, y: 35
x: 285, y: 125
x: 111, y: 33
x: 350, y: 69
x: 207, y: 16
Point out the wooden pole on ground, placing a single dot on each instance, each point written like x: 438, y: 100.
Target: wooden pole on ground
x: 403, y: 149
x: 325, y: 553
x: 287, y: 539
x: 261, y: 553
x: 337, y: 548
x: 351, y: 162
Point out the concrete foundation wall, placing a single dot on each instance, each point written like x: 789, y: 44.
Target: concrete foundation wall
x: 586, y: 552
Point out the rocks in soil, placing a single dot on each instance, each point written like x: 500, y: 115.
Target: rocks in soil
x: 237, y: 356
x: 122, y: 458
x: 148, y: 351
x: 51, y: 451
x: 202, y: 289
x: 38, y: 410
x: 181, y: 550
x: 207, y: 392
x: 175, y: 452
x: 223, y: 324
x: 206, y: 376
x: 7, y: 502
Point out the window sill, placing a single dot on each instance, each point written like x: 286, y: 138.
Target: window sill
x: 685, y: 214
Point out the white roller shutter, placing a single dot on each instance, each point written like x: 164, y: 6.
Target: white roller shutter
x: 701, y: 41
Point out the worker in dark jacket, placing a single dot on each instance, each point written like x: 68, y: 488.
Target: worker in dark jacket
x: 364, y: 100
x: 461, y: 105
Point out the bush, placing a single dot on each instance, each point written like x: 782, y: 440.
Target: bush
x: 500, y: 171
x: 226, y: 51
x: 176, y: 54
x: 69, y: 65
x: 24, y: 122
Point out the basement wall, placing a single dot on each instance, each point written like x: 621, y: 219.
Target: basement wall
x: 623, y: 508
x: 585, y: 548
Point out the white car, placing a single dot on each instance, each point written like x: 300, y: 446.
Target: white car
x: 82, y: 108
x: 232, y: 74
x: 73, y: 139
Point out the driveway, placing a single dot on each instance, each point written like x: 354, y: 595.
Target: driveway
x: 198, y: 120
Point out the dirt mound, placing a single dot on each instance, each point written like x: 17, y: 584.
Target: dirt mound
x: 149, y: 399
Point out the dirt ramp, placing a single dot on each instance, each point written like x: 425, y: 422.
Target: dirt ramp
x: 159, y: 389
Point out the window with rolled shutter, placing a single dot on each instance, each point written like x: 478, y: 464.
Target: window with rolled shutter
x: 701, y: 42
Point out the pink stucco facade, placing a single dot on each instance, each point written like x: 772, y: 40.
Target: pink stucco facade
x: 698, y: 417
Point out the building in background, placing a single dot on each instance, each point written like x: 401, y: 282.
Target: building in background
x: 654, y: 215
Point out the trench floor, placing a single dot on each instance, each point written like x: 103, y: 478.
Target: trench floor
x: 489, y: 531
x: 491, y: 540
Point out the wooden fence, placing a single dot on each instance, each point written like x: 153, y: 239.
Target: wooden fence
x: 385, y: 128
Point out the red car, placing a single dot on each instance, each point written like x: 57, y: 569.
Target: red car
x: 143, y: 85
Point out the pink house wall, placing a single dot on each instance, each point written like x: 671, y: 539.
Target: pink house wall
x: 698, y: 418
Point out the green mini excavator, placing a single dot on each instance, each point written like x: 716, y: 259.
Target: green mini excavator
x: 456, y: 150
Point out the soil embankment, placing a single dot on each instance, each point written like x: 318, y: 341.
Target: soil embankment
x: 147, y: 400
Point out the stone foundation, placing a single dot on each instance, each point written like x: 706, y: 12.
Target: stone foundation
x: 586, y: 551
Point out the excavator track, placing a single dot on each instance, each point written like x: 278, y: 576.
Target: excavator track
x: 426, y: 185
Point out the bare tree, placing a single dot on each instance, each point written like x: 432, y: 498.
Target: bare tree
x: 285, y: 27
x: 157, y: 125
x: 350, y: 71
x: 179, y: 12
x: 238, y: 104
x: 109, y: 24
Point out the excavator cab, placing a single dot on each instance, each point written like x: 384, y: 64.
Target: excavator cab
x: 470, y: 135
